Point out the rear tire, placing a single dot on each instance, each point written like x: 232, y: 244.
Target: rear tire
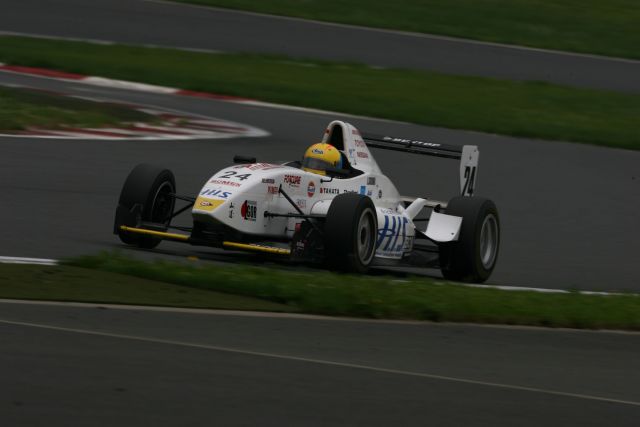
x: 148, y: 191
x: 350, y: 232
x: 474, y: 255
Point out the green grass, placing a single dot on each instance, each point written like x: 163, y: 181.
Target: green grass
x: 383, y: 297
x: 527, y: 109
x: 67, y: 283
x: 591, y: 26
x: 21, y: 109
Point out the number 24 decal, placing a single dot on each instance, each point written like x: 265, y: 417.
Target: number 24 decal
x: 235, y: 175
x: 469, y: 180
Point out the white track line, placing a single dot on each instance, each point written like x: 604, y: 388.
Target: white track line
x: 327, y: 363
x: 127, y: 85
x: 34, y: 261
x: 105, y: 42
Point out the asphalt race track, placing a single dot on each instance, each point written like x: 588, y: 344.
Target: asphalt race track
x: 568, y: 211
x: 103, y: 366
x: 176, y: 25
x: 569, y: 220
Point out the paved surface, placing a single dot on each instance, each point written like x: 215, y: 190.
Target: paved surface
x: 568, y: 211
x: 129, y: 367
x: 168, y: 24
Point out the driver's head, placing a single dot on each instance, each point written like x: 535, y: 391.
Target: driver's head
x: 321, y: 156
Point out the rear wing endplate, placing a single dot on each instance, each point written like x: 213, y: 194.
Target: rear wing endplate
x: 467, y: 154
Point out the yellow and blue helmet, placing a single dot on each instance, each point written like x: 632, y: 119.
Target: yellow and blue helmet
x: 321, y: 156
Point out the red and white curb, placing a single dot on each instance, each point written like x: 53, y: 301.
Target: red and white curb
x: 172, y: 126
x: 169, y: 125
x: 41, y: 261
x: 165, y: 90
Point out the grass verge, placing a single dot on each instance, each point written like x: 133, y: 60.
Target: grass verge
x: 383, y: 297
x: 527, y: 109
x: 590, y: 26
x: 68, y: 283
x: 22, y: 108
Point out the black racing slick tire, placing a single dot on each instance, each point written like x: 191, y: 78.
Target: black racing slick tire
x: 473, y: 256
x: 350, y: 232
x: 147, y: 196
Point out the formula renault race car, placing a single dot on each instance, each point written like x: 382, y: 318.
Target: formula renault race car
x: 344, y: 214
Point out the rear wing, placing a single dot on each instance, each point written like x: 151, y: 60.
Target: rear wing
x: 467, y: 154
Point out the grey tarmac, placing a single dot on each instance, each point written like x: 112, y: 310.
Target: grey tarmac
x: 568, y: 211
x: 99, y: 366
x: 179, y: 25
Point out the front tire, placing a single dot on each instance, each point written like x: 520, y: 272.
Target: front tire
x: 147, y: 195
x: 350, y: 232
x: 473, y: 256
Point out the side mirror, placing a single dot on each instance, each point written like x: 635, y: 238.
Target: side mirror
x: 243, y: 159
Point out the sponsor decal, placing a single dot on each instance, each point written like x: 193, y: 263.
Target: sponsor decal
x: 249, y: 210
x: 268, y: 181
x: 369, y: 193
x: 258, y: 166
x: 293, y: 180
x: 412, y: 142
x: 359, y: 143
x: 311, y: 189
x: 408, y: 244
x: 392, y: 237
x: 371, y: 180
x: 324, y: 190
x: 362, y: 155
x: 379, y: 194
x: 224, y: 182
x: 317, y: 151
x: 204, y: 204
x: 349, y: 191
x: 234, y: 175
x: 363, y: 190
x: 355, y: 132
x: 216, y: 193
x: 231, y: 207
x: 272, y: 189
x: 262, y: 166
x: 302, y: 203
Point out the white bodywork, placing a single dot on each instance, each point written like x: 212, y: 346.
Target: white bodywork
x: 239, y: 196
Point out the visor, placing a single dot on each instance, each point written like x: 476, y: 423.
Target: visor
x: 316, y: 164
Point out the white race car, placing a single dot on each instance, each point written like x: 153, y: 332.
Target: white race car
x: 345, y: 213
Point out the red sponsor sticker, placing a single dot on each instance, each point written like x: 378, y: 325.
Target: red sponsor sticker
x: 363, y: 155
x: 225, y: 182
x: 292, y: 180
x: 311, y: 189
x: 249, y: 210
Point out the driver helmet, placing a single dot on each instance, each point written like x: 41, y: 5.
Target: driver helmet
x: 321, y: 156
